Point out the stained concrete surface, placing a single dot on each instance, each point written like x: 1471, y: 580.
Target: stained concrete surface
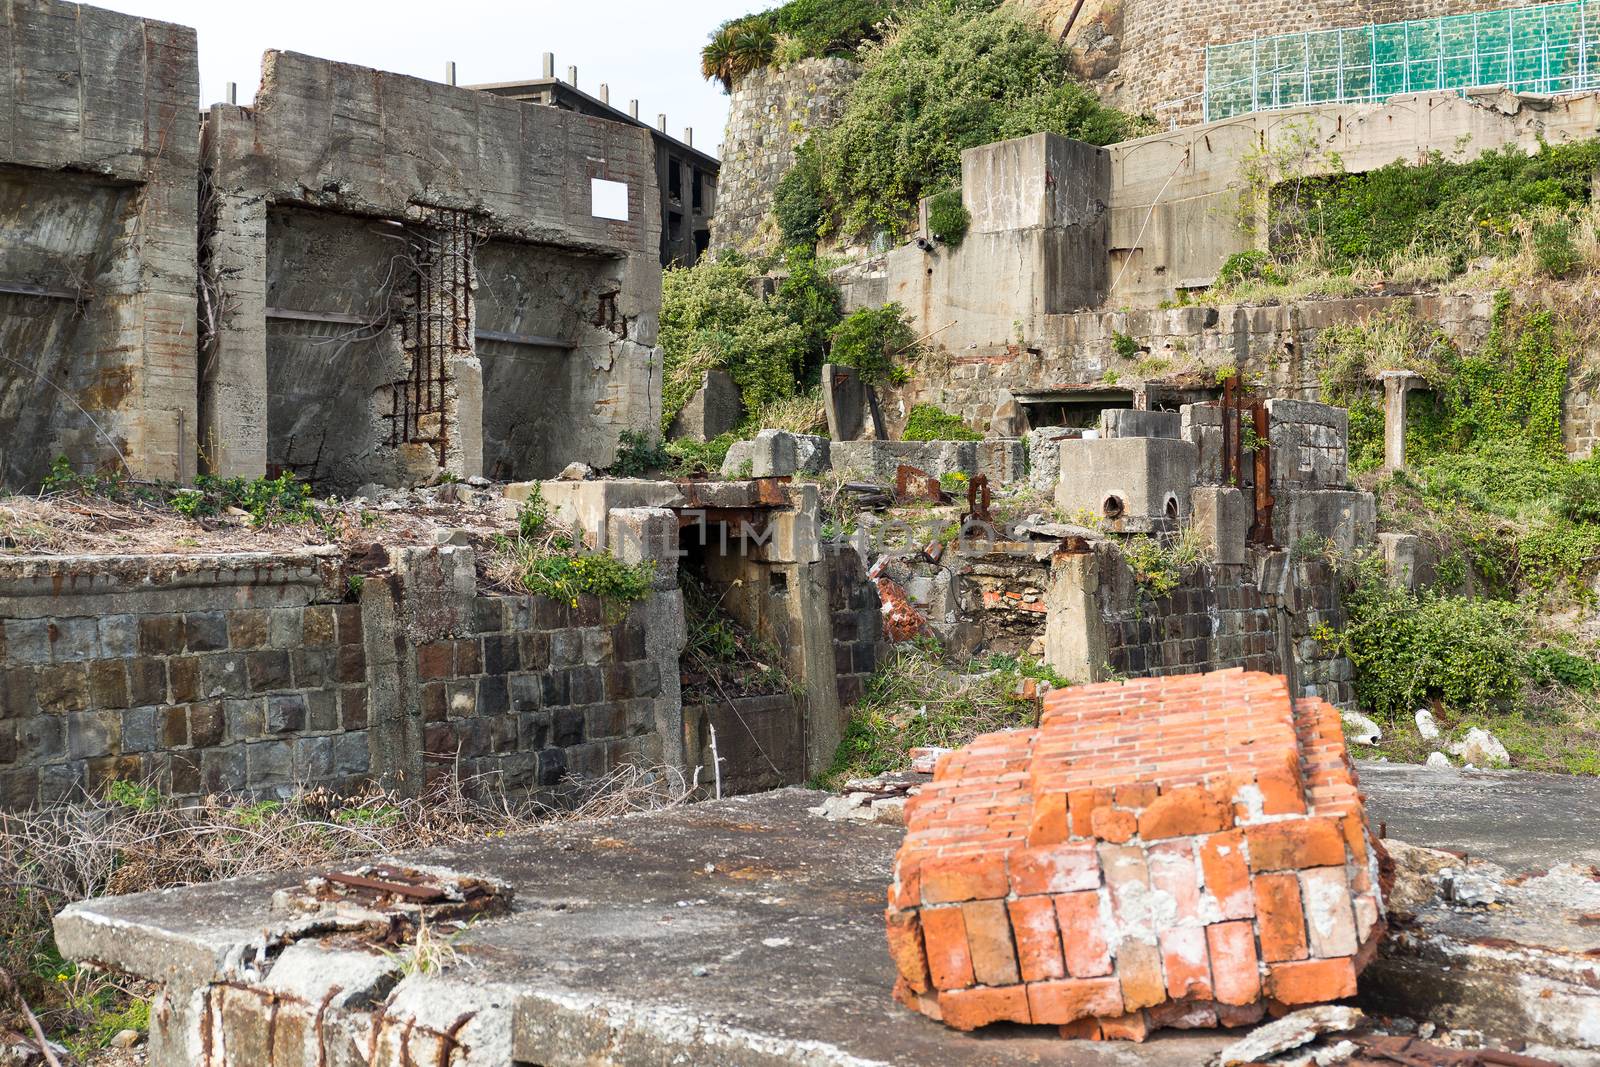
x: 749, y: 931
x: 1516, y: 819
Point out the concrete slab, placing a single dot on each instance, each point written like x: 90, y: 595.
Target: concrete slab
x: 745, y: 931
x: 1519, y: 820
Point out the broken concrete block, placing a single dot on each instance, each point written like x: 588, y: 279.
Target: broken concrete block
x: 1057, y: 875
x: 1426, y: 725
x: 1408, y: 560
x: 1290, y: 1032
x: 1480, y: 748
x: 1345, y: 517
x: 847, y: 404
x: 1128, y: 484
x: 1221, y: 515
x: 715, y: 408
x: 1438, y: 759
x: 1126, y: 422
x: 776, y: 454
x: 1010, y: 419
x: 1360, y: 729
x: 1043, y: 448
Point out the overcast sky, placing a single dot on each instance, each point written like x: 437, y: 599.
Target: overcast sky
x: 647, y: 50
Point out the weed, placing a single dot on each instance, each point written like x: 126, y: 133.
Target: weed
x: 928, y: 423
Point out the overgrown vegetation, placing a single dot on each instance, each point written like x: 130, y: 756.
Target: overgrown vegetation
x: 544, y: 559
x: 947, y: 75
x: 926, y: 696
x: 948, y: 218
x: 267, y: 501
x: 723, y: 658
x: 871, y: 340
x: 799, y: 29
x: 930, y: 423
x: 797, y: 201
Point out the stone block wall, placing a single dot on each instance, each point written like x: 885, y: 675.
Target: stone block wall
x: 859, y: 644
x: 1216, y: 618
x: 771, y: 114
x: 253, y: 674
x: 759, y: 741
x: 537, y: 689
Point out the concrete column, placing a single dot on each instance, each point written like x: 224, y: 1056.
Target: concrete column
x: 232, y: 427
x: 1074, y: 634
x: 1397, y: 385
x: 449, y: 324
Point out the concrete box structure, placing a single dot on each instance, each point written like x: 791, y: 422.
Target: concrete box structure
x: 406, y: 277
x: 1129, y: 484
x: 1069, y: 877
x: 98, y: 150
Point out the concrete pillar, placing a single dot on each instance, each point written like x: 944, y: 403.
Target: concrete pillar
x: 232, y: 427
x: 1074, y: 634
x: 1397, y: 385
x: 605, y: 93
x: 448, y: 324
x: 548, y: 67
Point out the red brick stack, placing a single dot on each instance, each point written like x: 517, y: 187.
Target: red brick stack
x: 1186, y: 851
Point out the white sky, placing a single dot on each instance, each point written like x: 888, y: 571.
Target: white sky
x: 644, y: 49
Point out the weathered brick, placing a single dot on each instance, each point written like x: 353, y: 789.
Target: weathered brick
x: 1061, y: 1002
x: 1325, y: 894
x: 1184, y: 811
x: 1054, y: 869
x: 944, y: 932
x: 952, y: 879
x: 1083, y: 935
x: 1279, y: 918
x: 994, y: 955
x: 1226, y: 875
x: 1311, y: 981
x: 1235, y: 971
x: 1295, y: 843
x: 968, y: 1009
x: 1113, y: 824
x: 905, y: 948
x: 1033, y: 925
x: 1186, y: 961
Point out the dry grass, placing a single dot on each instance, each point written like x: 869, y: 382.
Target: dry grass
x: 134, y: 840
x: 801, y: 413
x: 67, y: 524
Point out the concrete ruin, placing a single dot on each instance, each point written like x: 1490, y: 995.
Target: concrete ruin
x: 368, y: 311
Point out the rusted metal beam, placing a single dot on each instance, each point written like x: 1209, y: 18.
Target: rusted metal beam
x: 1261, y: 524
x: 412, y: 891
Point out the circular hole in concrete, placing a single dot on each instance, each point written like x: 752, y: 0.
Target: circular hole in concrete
x: 1113, y: 507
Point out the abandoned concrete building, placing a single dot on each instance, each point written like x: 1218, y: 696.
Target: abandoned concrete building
x: 437, y: 307
x: 685, y: 175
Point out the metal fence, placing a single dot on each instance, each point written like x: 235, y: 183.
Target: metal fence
x: 1550, y: 48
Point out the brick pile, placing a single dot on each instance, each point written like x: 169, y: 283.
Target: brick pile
x: 1186, y: 851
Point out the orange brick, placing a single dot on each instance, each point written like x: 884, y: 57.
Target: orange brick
x: 1280, y: 922
x: 1033, y: 927
x: 1139, y: 970
x: 926, y: 1003
x: 1083, y: 938
x: 1085, y: 1029
x: 1059, y: 1003
x: 944, y: 932
x: 905, y: 948
x: 1240, y: 1014
x: 1355, y: 837
x: 1173, y: 871
x: 1325, y: 896
x: 951, y: 879
x: 1281, y: 792
x: 1289, y: 845
x: 1235, y: 972
x: 1135, y: 797
x: 994, y: 957
x: 1114, y: 825
x: 1049, y: 822
x: 1134, y: 1026
x: 906, y: 889
x: 1054, y: 869
x: 1081, y: 804
x: 1184, y: 811
x: 1186, y: 961
x: 1312, y: 981
x: 968, y: 1009
x: 1226, y: 875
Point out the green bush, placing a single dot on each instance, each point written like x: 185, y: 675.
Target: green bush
x: 568, y: 576
x: 1251, y: 265
x: 1554, y: 250
x: 1406, y: 649
x: 948, y: 218
x: 807, y: 298
x: 1558, y: 666
x: 948, y: 75
x: 871, y: 339
x: 797, y: 201
x: 639, y: 454
x: 928, y: 423
x: 736, y: 49
x: 1455, y: 208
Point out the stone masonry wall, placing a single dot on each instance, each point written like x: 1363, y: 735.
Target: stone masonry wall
x: 1163, y: 55
x: 254, y: 674
x: 771, y: 114
x: 859, y: 644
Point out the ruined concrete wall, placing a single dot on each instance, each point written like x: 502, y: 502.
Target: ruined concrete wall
x: 252, y: 674
x: 859, y: 644
x: 759, y: 741
x: 1164, y: 50
x: 422, y: 178
x: 771, y: 114
x: 97, y: 242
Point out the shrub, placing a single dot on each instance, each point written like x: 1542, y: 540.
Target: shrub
x: 807, y: 298
x: 797, y: 202
x: 1251, y: 265
x: 948, y: 218
x: 713, y: 317
x: 1125, y: 345
x: 1470, y: 653
x: 949, y: 75
x: 736, y: 49
x: 639, y: 454
x: 928, y: 423
x: 1554, y: 250
x: 567, y: 576
x: 1455, y: 208
x: 870, y: 339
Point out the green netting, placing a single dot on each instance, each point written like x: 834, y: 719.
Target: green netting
x: 1549, y: 48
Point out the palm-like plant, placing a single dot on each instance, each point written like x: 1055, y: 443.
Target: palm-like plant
x: 736, y: 50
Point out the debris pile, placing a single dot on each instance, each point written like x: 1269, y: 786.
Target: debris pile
x: 1165, y: 852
